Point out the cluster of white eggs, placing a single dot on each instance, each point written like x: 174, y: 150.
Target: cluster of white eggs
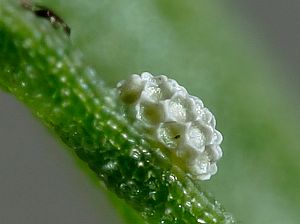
x: 176, y: 119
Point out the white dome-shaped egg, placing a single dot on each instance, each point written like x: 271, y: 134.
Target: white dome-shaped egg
x: 175, y: 119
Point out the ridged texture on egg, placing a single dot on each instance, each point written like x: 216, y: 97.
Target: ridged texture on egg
x: 175, y: 119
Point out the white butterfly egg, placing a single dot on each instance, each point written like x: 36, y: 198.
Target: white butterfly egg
x: 175, y: 119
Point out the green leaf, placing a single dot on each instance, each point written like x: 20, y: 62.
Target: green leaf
x: 42, y: 69
x: 201, y: 44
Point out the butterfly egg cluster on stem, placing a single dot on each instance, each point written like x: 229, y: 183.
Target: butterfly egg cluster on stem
x: 176, y: 119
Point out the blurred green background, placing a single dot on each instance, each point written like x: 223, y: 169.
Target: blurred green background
x: 218, y: 53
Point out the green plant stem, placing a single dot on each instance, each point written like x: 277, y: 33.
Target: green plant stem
x: 39, y: 67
